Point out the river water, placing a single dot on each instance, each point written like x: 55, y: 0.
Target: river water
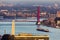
x: 29, y: 27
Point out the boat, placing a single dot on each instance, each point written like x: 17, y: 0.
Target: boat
x: 44, y: 30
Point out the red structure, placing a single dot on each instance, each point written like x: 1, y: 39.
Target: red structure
x: 38, y: 15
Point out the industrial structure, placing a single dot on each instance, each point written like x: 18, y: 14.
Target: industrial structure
x: 38, y: 16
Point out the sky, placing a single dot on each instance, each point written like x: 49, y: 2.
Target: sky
x: 28, y: 0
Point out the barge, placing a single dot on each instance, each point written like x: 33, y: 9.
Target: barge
x: 44, y: 30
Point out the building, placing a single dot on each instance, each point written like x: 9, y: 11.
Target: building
x: 57, y: 19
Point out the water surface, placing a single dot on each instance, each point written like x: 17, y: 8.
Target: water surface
x: 29, y: 27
